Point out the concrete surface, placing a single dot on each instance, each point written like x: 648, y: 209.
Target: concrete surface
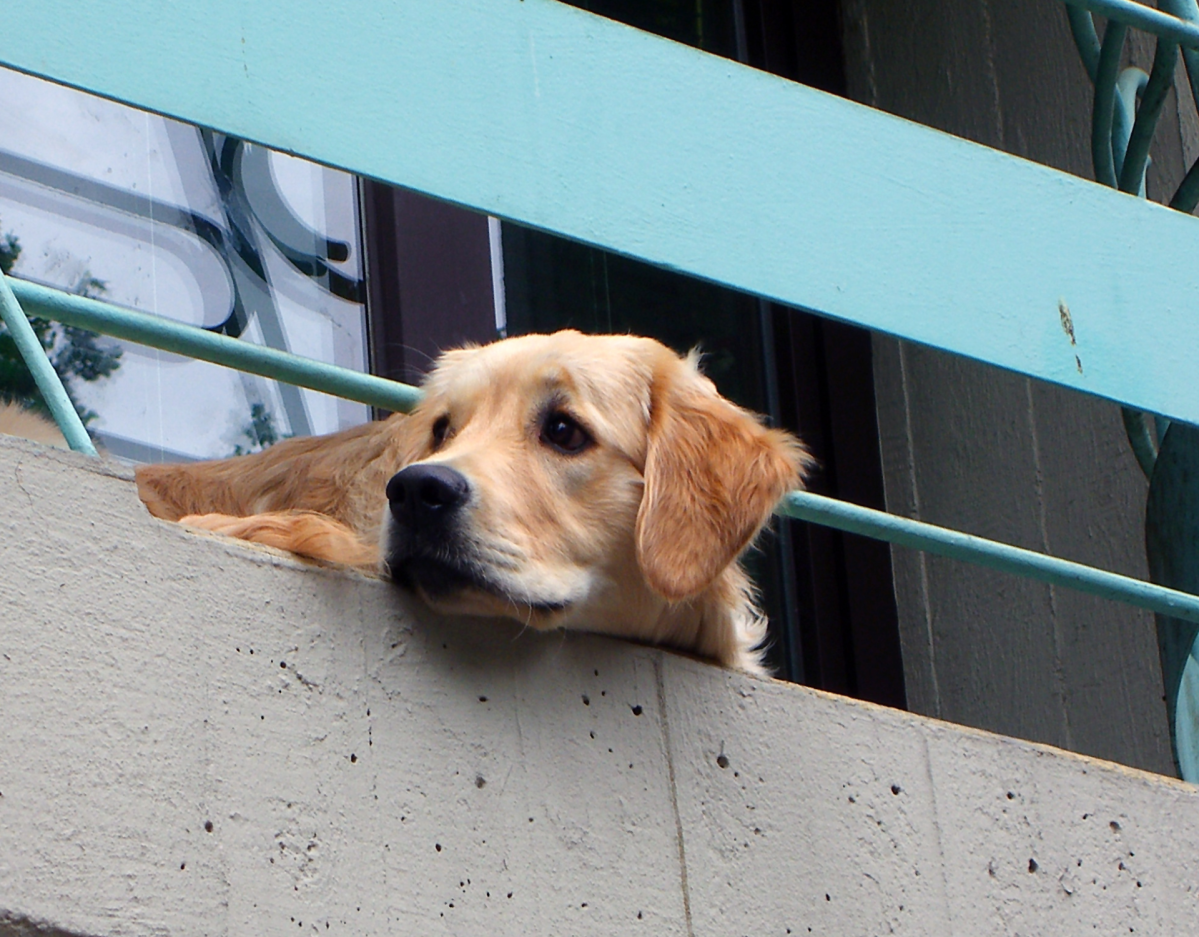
x: 201, y: 737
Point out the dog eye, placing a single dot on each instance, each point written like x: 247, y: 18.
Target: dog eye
x: 441, y: 429
x: 564, y: 434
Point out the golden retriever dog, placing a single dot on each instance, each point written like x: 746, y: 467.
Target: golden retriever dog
x: 597, y: 483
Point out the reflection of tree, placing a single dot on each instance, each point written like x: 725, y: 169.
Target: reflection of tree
x: 75, y: 353
x: 260, y: 433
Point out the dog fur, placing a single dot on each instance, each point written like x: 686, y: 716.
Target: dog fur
x: 15, y: 420
x: 632, y: 526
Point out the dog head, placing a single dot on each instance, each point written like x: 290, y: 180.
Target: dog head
x: 583, y: 481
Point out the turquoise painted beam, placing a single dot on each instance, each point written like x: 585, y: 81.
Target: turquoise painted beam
x: 546, y: 115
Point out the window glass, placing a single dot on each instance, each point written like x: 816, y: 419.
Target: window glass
x: 152, y: 214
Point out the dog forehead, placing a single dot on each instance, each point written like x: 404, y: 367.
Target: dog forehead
x: 604, y: 373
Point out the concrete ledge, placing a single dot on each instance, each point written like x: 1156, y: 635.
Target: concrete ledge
x: 203, y: 738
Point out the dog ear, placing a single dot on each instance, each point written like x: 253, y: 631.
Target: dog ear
x: 713, y: 475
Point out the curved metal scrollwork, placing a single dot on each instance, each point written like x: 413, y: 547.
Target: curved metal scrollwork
x: 1127, y: 104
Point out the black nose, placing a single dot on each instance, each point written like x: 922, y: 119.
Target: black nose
x: 426, y: 495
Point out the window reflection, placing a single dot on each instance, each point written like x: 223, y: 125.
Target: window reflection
x: 149, y: 213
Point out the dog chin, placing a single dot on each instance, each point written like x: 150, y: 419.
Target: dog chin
x: 453, y: 590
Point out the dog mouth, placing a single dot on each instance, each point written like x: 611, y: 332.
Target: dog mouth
x: 441, y: 579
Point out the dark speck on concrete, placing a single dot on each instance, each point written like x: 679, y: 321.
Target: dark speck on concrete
x: 637, y: 710
x: 1032, y: 865
x: 207, y: 826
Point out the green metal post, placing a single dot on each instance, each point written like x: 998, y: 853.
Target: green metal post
x: 48, y: 381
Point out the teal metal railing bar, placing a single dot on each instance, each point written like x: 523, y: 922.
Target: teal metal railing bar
x: 44, y: 375
x: 904, y: 532
x: 168, y: 335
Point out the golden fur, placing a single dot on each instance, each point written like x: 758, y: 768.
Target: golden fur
x: 637, y: 534
x: 15, y: 420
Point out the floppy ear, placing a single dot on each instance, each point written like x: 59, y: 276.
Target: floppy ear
x: 713, y: 474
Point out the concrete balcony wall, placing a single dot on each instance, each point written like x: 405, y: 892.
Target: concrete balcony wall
x: 198, y: 737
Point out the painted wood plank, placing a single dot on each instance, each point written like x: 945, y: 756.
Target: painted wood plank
x: 541, y: 113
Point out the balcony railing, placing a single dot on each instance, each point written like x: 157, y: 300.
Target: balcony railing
x: 551, y: 117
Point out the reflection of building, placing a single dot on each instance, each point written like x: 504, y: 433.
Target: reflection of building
x: 197, y: 227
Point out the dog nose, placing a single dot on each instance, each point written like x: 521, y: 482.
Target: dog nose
x: 425, y: 495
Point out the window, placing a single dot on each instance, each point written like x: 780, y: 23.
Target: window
x: 145, y: 212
